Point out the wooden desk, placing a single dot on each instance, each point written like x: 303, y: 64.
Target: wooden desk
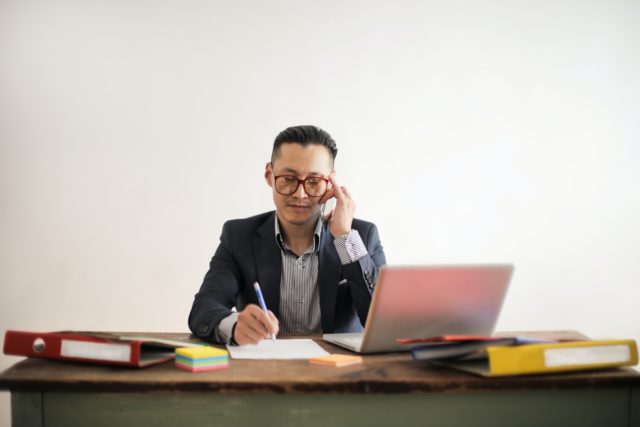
x: 386, y: 390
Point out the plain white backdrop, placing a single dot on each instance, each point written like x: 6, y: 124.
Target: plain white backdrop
x: 469, y: 131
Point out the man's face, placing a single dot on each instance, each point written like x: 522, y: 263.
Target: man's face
x: 302, y: 162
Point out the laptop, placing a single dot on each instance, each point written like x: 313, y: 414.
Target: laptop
x: 429, y: 301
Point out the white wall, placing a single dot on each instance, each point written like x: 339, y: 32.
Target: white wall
x: 469, y: 131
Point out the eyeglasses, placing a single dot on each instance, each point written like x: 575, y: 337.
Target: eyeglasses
x: 314, y: 186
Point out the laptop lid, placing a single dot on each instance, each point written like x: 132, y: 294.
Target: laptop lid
x: 426, y: 301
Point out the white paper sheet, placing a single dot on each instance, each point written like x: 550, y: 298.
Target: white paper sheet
x: 278, y: 349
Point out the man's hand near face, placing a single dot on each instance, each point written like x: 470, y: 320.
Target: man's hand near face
x: 254, y: 325
x: 342, y: 215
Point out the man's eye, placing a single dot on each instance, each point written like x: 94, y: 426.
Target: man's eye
x: 289, y: 179
x: 313, y: 181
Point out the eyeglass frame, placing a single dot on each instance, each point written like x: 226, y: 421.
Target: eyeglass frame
x: 301, y: 181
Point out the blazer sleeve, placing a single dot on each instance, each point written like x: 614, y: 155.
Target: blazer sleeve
x: 218, y: 292
x: 362, y: 274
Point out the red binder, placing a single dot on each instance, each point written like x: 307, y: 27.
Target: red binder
x: 101, y: 348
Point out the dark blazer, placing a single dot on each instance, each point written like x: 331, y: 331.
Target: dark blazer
x: 248, y: 253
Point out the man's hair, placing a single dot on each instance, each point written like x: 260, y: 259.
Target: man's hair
x: 304, y: 135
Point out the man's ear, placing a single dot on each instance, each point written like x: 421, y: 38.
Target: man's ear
x: 268, y: 173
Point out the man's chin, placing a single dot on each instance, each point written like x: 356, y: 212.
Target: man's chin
x: 297, y: 222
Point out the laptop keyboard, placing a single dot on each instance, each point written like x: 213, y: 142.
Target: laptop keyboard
x: 353, y: 340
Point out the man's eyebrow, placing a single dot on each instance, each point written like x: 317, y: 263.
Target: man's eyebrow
x: 289, y: 170
x: 295, y: 172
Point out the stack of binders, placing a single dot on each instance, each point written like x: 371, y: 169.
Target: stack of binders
x: 496, y: 357
x: 201, y: 359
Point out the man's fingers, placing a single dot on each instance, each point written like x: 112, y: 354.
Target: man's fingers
x: 274, y: 323
x: 273, y: 318
x: 262, y: 321
x: 345, y: 191
x: 267, y: 324
x: 247, y: 336
x: 337, y: 190
x: 258, y: 327
x: 329, y: 194
x: 254, y: 325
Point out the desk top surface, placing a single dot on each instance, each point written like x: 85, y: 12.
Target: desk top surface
x: 384, y: 373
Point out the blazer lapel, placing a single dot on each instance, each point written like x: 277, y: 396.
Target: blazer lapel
x: 268, y: 263
x: 329, y: 268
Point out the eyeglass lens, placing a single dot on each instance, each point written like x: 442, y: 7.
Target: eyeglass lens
x: 313, y: 186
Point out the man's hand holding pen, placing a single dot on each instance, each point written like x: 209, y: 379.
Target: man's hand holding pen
x: 254, y: 325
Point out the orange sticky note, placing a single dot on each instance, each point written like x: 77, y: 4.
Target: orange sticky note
x: 337, y: 360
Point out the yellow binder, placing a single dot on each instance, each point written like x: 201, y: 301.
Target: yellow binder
x: 550, y: 357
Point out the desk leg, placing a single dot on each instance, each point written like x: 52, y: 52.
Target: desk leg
x: 26, y: 409
x: 634, y: 410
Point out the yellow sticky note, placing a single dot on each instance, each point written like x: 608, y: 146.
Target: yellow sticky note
x: 337, y: 360
x: 200, y: 352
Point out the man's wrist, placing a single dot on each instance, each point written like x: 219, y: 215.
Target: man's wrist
x: 341, y: 233
x: 350, y: 247
x: 226, y: 328
x: 232, y: 339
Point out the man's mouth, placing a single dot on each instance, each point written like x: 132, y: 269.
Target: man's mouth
x: 300, y: 207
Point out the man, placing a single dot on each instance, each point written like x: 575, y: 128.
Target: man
x: 316, y: 273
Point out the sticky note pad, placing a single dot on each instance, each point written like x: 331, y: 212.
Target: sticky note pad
x: 199, y: 359
x: 202, y: 351
x: 337, y: 360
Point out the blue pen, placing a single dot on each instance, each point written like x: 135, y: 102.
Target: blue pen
x: 263, y: 306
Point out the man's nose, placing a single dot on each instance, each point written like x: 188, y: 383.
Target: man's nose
x: 300, y: 193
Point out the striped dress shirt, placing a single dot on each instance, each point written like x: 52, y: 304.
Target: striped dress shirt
x: 299, y: 297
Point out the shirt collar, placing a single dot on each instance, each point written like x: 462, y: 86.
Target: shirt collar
x: 316, y: 235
